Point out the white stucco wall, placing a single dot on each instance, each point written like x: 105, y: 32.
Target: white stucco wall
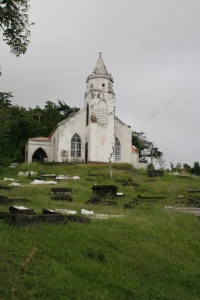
x: 54, y: 139
x: 124, y: 134
x: 66, y: 129
x: 135, y: 162
x: 101, y: 135
x: 33, y: 145
x: 101, y: 143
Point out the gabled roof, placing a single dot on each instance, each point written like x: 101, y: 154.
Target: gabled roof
x: 40, y: 138
x: 100, y: 67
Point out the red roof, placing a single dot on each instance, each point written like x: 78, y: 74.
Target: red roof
x: 40, y: 138
x: 134, y: 149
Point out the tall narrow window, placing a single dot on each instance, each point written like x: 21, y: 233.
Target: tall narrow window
x: 117, y: 149
x: 76, y: 146
x: 87, y: 115
x: 54, y: 149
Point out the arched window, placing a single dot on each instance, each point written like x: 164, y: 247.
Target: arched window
x: 76, y: 146
x: 117, y: 149
x: 102, y: 113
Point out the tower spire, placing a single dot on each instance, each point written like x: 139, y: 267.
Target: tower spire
x: 100, y: 66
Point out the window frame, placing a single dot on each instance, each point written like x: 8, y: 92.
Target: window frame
x: 75, y: 146
x: 117, y: 149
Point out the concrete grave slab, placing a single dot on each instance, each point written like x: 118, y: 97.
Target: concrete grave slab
x: 37, y: 181
x: 66, y: 211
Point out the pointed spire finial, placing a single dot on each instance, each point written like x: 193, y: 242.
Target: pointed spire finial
x: 100, y: 67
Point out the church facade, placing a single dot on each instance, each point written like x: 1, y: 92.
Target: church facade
x: 94, y: 134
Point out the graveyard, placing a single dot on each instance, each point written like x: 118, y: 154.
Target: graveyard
x: 72, y: 231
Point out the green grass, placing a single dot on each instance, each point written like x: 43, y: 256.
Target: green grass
x: 148, y: 254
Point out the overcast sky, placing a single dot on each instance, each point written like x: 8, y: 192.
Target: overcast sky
x: 151, y: 48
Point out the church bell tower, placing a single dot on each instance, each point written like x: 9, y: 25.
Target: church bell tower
x: 100, y: 115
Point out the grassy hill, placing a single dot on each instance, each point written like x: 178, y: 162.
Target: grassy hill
x: 149, y: 253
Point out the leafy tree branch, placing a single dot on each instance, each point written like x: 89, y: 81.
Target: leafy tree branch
x: 14, y: 22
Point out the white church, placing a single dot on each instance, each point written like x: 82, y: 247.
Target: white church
x: 94, y: 134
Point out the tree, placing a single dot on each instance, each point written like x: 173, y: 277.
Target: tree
x: 52, y: 114
x: 23, y: 126
x: 5, y: 128
x: 145, y: 148
x: 110, y: 164
x: 65, y: 110
x: 140, y: 142
x: 196, y: 168
x: 17, y: 124
x: 172, y: 167
x: 14, y: 22
x: 5, y: 101
x: 187, y: 168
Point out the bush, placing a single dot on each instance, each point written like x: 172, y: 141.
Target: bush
x: 5, y: 161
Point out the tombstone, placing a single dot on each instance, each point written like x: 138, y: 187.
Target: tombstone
x: 120, y: 195
x: 61, y: 194
x: 2, y: 187
x: 3, y: 199
x: 105, y: 190
x: 155, y: 173
x: 66, y: 211
x: 93, y: 200
x: 21, y: 210
x: 48, y: 211
x: 51, y: 218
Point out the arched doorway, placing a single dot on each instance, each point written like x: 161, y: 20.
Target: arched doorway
x: 39, y: 155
